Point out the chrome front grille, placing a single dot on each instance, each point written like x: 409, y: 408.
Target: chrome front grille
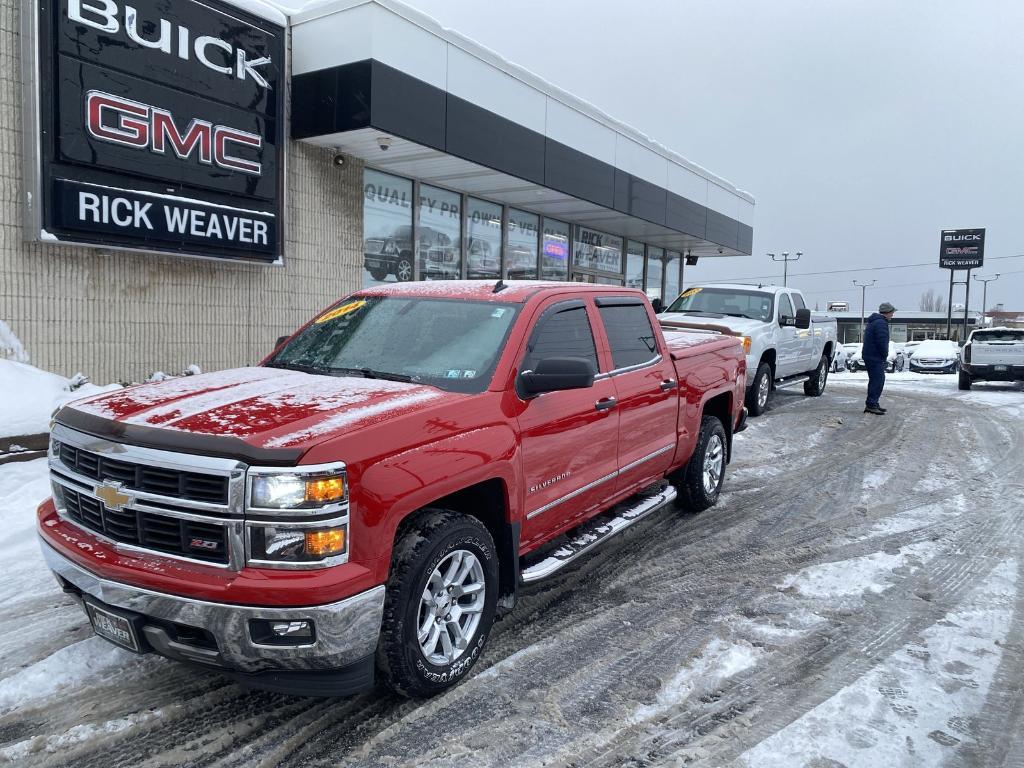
x: 141, y: 499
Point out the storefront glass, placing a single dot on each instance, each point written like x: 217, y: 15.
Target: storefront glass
x: 597, y: 250
x: 483, y: 240
x: 387, y: 228
x: 439, y: 254
x: 521, y: 257
x: 554, y: 260
x: 634, y: 264
x: 671, y: 276
x: 655, y: 267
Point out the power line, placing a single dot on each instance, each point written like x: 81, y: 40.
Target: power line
x: 856, y: 269
x: 896, y: 285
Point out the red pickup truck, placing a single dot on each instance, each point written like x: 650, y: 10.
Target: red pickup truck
x: 372, y: 495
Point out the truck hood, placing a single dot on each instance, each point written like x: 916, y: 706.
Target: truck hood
x: 736, y: 326
x: 265, y: 407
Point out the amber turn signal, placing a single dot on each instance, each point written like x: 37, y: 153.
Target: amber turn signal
x: 325, y: 542
x: 325, y: 490
x: 746, y: 343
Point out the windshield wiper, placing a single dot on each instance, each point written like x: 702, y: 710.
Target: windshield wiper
x: 371, y: 373
x: 738, y: 314
x: 298, y: 367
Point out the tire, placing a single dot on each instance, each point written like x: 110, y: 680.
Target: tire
x: 378, y: 274
x: 404, y: 268
x: 699, y: 485
x: 964, y: 380
x: 815, y: 385
x: 434, y: 543
x: 760, y: 389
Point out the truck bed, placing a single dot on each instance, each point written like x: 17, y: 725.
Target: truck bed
x: 693, y: 342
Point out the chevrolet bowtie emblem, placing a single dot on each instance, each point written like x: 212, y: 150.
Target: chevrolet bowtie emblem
x: 112, y: 497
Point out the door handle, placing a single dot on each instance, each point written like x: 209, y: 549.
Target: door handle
x: 605, y: 404
x: 668, y: 384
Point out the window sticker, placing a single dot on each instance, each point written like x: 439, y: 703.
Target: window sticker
x: 499, y: 312
x: 347, y: 308
x: 454, y: 373
x: 689, y: 292
x: 469, y: 373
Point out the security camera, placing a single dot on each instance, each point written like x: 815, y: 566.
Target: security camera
x: 384, y: 142
x: 339, y: 160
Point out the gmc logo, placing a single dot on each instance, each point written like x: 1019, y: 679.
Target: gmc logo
x: 134, y: 124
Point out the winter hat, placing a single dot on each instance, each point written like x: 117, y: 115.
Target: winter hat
x: 885, y: 308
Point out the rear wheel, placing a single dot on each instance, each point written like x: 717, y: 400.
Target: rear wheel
x: 964, y: 380
x: 403, y: 268
x: 815, y: 385
x: 378, y: 274
x: 439, y: 603
x: 757, y: 395
x: 700, y: 482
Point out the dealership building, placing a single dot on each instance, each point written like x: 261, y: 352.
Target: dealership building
x: 184, y: 182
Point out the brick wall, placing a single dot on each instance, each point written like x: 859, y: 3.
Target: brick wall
x: 117, y: 316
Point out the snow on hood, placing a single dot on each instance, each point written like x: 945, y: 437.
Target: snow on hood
x: 266, y: 406
x: 742, y: 325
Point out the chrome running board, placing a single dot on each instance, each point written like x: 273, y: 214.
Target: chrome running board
x: 596, y: 531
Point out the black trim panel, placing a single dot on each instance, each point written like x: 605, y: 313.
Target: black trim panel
x: 181, y: 442
x: 370, y: 94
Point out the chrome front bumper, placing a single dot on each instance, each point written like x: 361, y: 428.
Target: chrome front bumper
x: 346, y: 631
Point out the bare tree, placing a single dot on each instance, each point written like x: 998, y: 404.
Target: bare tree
x: 932, y: 301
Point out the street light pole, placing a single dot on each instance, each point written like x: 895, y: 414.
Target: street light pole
x: 984, y: 294
x: 863, y: 294
x: 785, y: 259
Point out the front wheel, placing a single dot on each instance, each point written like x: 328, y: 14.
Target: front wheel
x: 964, y: 381
x: 439, y: 603
x: 403, y: 268
x: 815, y: 385
x: 701, y: 480
x: 379, y: 274
x: 757, y: 395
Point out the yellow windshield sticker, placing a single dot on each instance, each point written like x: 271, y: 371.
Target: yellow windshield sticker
x: 344, y: 309
x: 689, y: 292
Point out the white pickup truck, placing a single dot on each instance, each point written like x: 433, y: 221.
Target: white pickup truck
x: 785, y: 342
x: 992, y: 354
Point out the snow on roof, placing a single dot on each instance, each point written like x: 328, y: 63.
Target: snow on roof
x: 514, y: 291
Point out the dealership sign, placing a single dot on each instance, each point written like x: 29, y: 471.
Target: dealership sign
x: 962, y: 248
x: 159, y: 127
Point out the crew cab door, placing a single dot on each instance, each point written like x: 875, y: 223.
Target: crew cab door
x: 788, y: 360
x: 569, y: 438
x: 806, y: 340
x: 645, y: 387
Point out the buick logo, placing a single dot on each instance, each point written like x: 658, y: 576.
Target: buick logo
x: 112, y: 497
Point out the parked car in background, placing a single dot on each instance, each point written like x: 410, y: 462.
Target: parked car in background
x: 850, y: 351
x: 481, y: 261
x: 909, y: 347
x: 992, y: 354
x: 785, y: 342
x: 894, y: 362
x: 935, y: 356
x: 394, y: 255
x: 839, y: 359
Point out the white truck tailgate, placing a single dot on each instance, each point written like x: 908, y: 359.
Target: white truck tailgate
x: 998, y: 348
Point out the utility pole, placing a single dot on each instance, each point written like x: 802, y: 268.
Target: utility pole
x: 863, y: 293
x: 984, y: 294
x: 785, y: 259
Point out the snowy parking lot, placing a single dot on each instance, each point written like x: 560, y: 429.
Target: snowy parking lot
x: 854, y: 599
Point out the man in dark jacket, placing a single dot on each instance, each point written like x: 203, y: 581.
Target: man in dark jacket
x: 875, y: 352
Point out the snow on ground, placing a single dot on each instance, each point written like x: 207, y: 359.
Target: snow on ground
x: 916, y: 704
x: 852, y: 578
x: 1004, y: 395
x: 29, y: 396
x: 75, y: 735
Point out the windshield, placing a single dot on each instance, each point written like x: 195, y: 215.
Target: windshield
x: 1000, y: 335
x: 730, y: 302
x: 450, y: 344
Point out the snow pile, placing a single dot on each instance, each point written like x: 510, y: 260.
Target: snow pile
x: 10, y: 345
x: 29, y: 396
x: 895, y: 714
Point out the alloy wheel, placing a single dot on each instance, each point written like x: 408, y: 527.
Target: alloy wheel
x: 714, y: 460
x: 450, y: 607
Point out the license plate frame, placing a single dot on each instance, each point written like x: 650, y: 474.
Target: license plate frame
x: 1000, y: 368
x: 113, y: 627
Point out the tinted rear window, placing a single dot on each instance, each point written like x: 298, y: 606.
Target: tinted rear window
x: 629, y: 333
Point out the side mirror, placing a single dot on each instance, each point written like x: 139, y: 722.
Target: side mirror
x: 803, y: 318
x: 553, y: 374
x: 659, y: 306
x: 281, y: 340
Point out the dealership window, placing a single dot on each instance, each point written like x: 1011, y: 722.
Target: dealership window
x: 634, y: 264
x: 521, y: 254
x: 630, y: 334
x: 438, y: 247
x: 672, y: 262
x: 554, y: 259
x: 387, y: 228
x: 483, y: 239
x: 655, y: 267
x: 598, y: 251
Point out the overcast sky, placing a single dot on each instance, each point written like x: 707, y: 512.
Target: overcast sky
x: 862, y: 128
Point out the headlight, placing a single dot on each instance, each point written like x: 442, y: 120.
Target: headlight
x: 297, y: 545
x: 295, y: 490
